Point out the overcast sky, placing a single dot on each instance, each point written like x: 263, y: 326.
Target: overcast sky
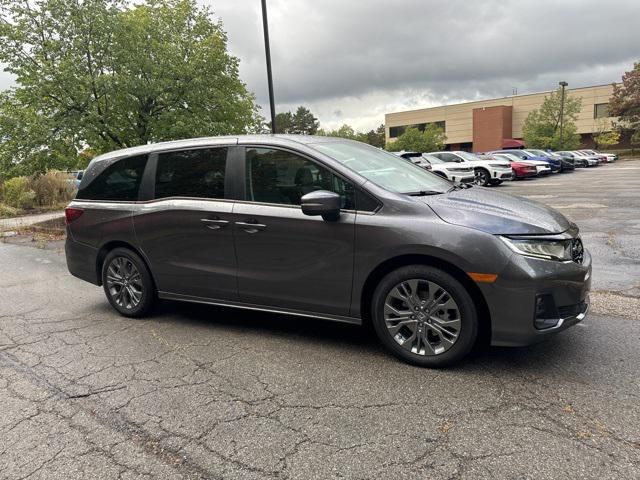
x: 352, y: 61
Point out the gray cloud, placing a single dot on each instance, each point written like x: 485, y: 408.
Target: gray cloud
x: 354, y: 61
x: 370, y: 57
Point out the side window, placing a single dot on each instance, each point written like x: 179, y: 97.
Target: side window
x: 278, y: 176
x: 119, y: 181
x: 191, y: 173
x: 450, y: 157
x: 365, y: 203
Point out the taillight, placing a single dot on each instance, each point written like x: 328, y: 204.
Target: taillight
x: 71, y: 214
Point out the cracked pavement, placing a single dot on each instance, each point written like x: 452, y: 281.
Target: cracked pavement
x: 199, y: 392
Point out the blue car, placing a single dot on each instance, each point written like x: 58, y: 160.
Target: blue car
x: 555, y: 164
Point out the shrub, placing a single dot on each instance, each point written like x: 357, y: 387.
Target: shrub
x: 7, y: 211
x: 17, y: 193
x: 51, y: 188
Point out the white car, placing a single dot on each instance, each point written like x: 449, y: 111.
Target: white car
x: 487, y: 172
x: 542, y: 168
x: 611, y: 157
x: 452, y: 171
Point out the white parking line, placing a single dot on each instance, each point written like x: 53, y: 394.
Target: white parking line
x: 581, y: 205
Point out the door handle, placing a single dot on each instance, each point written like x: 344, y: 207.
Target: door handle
x: 251, y: 226
x: 214, y: 223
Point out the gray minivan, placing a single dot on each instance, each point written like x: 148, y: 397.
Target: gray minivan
x: 329, y: 228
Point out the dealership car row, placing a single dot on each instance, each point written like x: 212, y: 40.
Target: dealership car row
x: 494, y: 167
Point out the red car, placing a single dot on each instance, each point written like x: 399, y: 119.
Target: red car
x: 523, y: 170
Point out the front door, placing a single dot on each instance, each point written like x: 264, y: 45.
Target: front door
x: 287, y: 259
x: 186, y: 232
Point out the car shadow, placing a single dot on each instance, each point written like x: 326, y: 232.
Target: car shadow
x: 362, y: 338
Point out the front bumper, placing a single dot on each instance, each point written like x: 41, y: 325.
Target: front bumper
x: 512, y: 299
x: 463, y: 177
x: 499, y: 174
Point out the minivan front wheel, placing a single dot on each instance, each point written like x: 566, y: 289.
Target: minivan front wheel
x: 424, y: 316
x: 127, y: 283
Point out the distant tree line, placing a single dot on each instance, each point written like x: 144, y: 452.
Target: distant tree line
x: 303, y: 121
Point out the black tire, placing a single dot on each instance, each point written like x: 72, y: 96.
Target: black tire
x: 468, y: 331
x: 482, y: 177
x: 148, y: 290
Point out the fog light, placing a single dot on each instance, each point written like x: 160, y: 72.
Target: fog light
x: 547, y: 315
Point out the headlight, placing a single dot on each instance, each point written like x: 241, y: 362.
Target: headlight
x: 547, y: 249
x: 499, y: 165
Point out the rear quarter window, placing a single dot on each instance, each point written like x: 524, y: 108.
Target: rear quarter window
x: 120, y: 181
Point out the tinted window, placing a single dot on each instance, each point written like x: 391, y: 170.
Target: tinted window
x: 365, y: 203
x: 449, y: 157
x: 191, y: 173
x: 277, y: 176
x: 119, y: 181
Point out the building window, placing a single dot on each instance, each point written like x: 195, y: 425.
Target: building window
x: 395, y: 132
x: 601, y: 110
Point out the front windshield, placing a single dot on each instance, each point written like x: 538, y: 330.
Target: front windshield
x: 539, y: 153
x: 470, y: 157
x: 518, y: 154
x: 383, y: 168
x: 432, y: 158
x: 506, y: 156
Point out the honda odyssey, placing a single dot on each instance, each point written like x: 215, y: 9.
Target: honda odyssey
x: 329, y: 228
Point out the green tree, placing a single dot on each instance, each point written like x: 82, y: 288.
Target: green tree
x: 301, y: 122
x: 413, y: 140
x: 605, y: 136
x: 345, y: 131
x: 108, y: 74
x: 541, y: 128
x: 625, y: 104
x: 375, y: 137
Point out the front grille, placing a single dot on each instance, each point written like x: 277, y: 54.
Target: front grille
x: 571, y: 310
x: 577, y: 250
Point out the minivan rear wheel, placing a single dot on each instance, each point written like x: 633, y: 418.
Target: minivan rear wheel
x: 127, y: 283
x: 424, y: 316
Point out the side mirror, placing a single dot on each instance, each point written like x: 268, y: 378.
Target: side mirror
x: 322, y: 202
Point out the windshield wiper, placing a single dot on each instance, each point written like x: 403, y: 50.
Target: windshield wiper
x: 423, y: 193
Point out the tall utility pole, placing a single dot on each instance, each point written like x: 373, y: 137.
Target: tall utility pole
x: 563, y: 85
x: 267, y: 51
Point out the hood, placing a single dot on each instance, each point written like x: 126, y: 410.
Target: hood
x: 496, y: 213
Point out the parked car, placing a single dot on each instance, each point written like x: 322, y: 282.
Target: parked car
x: 601, y: 158
x: 415, y: 158
x: 487, y: 172
x: 566, y: 164
x: 449, y: 170
x: 590, y: 160
x: 578, y: 161
x: 542, y: 168
x: 75, y: 177
x: 330, y: 228
x: 555, y: 165
x: 611, y: 157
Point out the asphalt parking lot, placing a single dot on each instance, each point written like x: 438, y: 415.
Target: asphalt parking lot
x: 206, y: 392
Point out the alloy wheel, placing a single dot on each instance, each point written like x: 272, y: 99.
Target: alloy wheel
x: 124, y: 283
x: 422, y: 317
x: 481, y: 178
